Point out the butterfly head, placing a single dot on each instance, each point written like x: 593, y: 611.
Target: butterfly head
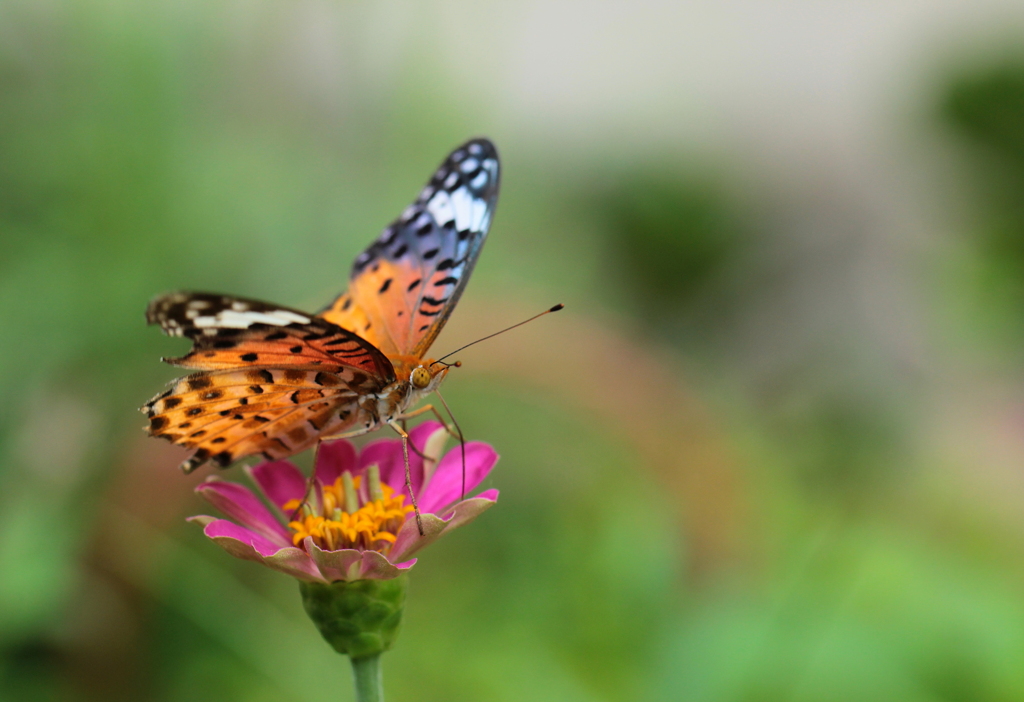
x: 426, y: 377
x: 420, y: 378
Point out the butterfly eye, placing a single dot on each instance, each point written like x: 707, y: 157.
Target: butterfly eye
x: 420, y: 377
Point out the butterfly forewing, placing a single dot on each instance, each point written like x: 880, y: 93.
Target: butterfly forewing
x: 405, y: 285
x: 235, y: 332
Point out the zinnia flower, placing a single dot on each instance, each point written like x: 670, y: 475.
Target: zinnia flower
x: 357, y: 523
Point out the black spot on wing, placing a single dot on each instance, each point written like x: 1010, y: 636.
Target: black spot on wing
x: 261, y: 376
x: 198, y: 383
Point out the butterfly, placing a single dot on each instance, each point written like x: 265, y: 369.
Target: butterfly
x: 272, y: 381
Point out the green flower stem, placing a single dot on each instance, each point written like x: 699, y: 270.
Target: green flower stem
x: 369, y: 682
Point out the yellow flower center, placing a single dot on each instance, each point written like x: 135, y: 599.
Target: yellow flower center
x: 345, y: 520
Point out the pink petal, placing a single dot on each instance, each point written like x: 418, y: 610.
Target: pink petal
x: 409, y: 540
x: 387, y: 454
x: 248, y: 545
x: 333, y: 458
x: 280, y: 481
x: 431, y: 442
x: 350, y: 564
x: 446, y: 485
x: 489, y: 495
x: 421, y: 434
x: 239, y: 503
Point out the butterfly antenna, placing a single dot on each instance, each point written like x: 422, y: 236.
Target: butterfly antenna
x: 462, y: 440
x: 491, y: 336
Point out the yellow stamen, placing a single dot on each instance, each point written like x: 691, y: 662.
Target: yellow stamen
x: 343, y: 522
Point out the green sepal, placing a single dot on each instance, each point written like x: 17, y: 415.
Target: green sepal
x: 359, y: 617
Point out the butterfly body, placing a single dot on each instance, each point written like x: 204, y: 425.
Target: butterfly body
x: 402, y: 395
x: 272, y: 381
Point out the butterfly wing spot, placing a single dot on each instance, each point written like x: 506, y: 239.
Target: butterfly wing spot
x: 198, y: 382
x: 326, y: 379
x: 260, y: 376
x: 295, y: 377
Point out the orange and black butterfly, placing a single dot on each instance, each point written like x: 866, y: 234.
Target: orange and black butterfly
x: 271, y: 381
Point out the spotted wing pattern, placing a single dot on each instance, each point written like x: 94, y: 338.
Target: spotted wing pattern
x: 405, y: 285
x: 272, y: 380
x: 232, y: 332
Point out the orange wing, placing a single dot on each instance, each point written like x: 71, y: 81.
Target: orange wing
x: 272, y: 380
x: 406, y: 284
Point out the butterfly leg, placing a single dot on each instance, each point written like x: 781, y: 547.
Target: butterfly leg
x: 408, y: 474
x: 312, y: 476
x: 349, y: 434
x: 462, y: 439
x: 310, y: 482
x: 424, y: 410
x: 457, y: 433
x: 430, y: 408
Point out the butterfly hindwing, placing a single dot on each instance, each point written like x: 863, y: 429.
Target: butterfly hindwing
x: 272, y: 381
x: 405, y: 285
x: 228, y: 415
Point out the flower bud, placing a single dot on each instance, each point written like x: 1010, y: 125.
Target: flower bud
x: 358, y: 618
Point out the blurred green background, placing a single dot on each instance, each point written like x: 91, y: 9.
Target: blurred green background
x: 771, y: 451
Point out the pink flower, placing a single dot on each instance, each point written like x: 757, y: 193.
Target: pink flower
x: 358, y: 523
